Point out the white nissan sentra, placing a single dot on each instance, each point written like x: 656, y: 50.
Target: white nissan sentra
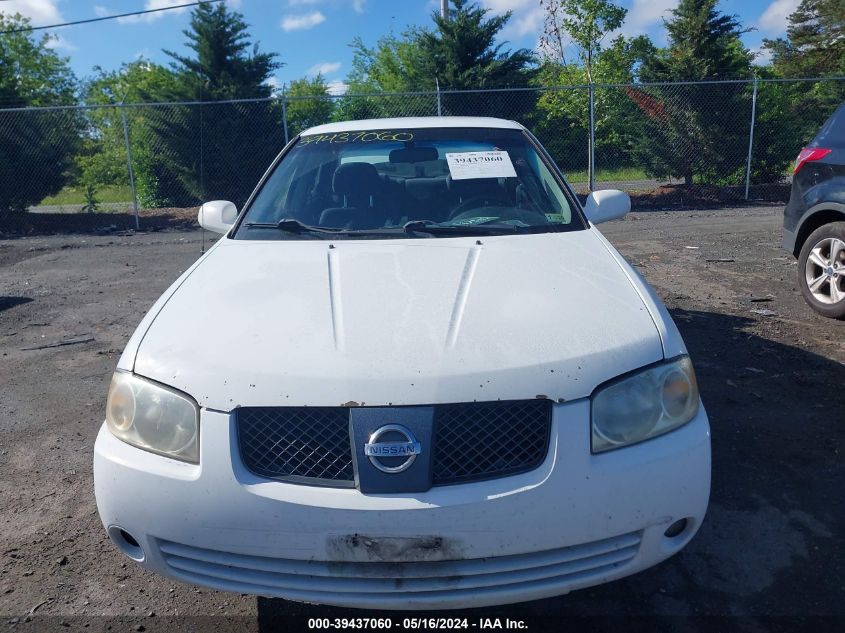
x: 411, y: 374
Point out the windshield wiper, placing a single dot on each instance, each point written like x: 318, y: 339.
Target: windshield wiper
x: 296, y: 227
x: 417, y: 229
x: 289, y: 225
x: 487, y: 228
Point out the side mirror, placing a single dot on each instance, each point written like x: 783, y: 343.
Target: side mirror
x: 605, y: 205
x: 217, y: 216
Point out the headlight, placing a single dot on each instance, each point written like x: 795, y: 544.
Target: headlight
x: 648, y: 403
x: 153, y: 417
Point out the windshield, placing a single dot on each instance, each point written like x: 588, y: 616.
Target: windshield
x: 418, y: 182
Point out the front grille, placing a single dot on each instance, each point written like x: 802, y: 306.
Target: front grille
x: 481, y: 440
x: 376, y: 584
x: 471, y: 441
x: 310, y: 444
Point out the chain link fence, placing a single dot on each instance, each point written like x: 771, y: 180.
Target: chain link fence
x: 666, y: 144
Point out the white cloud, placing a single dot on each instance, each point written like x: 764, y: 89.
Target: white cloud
x: 39, y: 11
x: 644, y: 14
x: 300, y: 22
x: 57, y: 42
x: 525, y: 23
x: 357, y: 5
x: 774, y: 19
x: 762, y: 56
x: 152, y: 17
x: 500, y: 6
x: 527, y: 16
x: 155, y: 4
x: 101, y: 11
x: 337, y: 87
x: 274, y: 83
x: 645, y: 17
x: 324, y: 68
x: 642, y: 17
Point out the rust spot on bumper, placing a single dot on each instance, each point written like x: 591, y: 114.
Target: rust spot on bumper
x: 391, y: 549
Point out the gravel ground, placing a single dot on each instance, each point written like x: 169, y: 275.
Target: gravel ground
x: 771, y: 374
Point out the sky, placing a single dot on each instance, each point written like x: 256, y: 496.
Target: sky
x: 313, y: 36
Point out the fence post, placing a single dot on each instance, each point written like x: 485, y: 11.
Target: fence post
x: 129, y: 163
x: 751, y: 137
x: 285, y: 115
x: 437, y: 88
x: 591, y: 159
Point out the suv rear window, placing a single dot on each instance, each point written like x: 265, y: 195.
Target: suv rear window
x: 832, y: 133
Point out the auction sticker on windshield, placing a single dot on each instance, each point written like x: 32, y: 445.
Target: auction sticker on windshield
x: 493, y: 164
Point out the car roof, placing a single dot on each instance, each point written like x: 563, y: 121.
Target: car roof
x: 404, y: 123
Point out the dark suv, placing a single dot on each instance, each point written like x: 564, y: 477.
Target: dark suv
x: 814, y: 219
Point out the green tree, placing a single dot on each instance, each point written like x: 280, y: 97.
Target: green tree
x: 390, y: 66
x: 309, y: 103
x: 215, y: 150
x: 815, y: 41
x: 703, y: 45
x: 36, y: 148
x: 460, y: 52
x: 463, y: 53
x: 790, y: 113
x: 696, y: 130
x: 585, y: 22
x: 223, y: 67
x: 784, y: 123
x: 562, y: 115
x: 103, y: 160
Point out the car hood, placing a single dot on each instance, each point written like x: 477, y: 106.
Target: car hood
x: 399, y: 322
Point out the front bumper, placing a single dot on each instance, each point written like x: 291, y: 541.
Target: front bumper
x: 577, y: 520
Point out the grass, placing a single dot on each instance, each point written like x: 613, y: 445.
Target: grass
x: 76, y: 196
x: 623, y: 174
x: 106, y: 194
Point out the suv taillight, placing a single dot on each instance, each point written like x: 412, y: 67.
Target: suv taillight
x: 807, y: 155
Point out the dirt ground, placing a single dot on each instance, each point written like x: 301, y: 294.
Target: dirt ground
x: 772, y: 375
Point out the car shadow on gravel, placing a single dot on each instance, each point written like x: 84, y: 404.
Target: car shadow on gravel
x: 20, y: 224
x: 767, y: 546
x: 10, y: 302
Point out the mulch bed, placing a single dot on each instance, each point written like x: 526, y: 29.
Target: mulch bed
x: 33, y: 224
x: 666, y: 197
x: 707, y: 197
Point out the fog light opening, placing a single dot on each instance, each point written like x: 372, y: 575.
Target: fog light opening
x: 676, y: 528
x: 126, y: 543
x: 129, y: 538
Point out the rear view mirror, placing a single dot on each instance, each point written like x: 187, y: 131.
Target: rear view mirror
x: 413, y: 155
x: 217, y: 216
x: 609, y: 204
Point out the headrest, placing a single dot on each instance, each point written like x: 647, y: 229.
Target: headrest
x: 356, y: 178
x: 423, y: 188
x: 413, y: 155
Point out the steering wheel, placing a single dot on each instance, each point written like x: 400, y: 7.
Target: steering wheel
x: 479, y: 201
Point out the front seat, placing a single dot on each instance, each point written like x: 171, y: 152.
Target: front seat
x: 357, y: 185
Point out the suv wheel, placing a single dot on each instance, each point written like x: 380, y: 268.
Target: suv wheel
x: 821, y: 270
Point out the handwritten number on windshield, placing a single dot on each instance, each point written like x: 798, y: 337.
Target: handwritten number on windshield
x: 356, y: 137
